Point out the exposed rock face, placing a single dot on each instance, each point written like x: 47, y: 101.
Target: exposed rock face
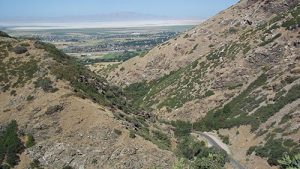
x: 54, y: 109
x: 100, y: 151
x: 263, y: 57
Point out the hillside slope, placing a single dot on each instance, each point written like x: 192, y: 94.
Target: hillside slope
x: 237, y: 74
x: 68, y: 112
x: 222, y: 29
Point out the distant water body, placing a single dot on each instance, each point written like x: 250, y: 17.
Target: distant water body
x: 80, y: 25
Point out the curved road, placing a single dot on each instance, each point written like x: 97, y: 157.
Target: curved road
x: 235, y: 164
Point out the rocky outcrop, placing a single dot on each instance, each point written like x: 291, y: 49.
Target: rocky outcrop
x: 266, y: 57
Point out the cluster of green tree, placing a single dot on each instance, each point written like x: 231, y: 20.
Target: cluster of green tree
x: 290, y: 162
x: 275, y: 149
x: 194, y: 153
x: 10, y: 146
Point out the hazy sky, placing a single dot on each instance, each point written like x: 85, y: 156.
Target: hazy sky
x: 200, y: 9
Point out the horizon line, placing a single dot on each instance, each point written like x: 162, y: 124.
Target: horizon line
x: 96, y: 24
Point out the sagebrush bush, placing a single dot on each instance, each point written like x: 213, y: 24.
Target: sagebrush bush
x: 20, y: 49
x: 45, y: 84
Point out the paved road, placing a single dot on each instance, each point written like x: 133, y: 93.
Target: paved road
x: 235, y: 164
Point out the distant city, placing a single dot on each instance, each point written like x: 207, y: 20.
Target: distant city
x: 93, y: 45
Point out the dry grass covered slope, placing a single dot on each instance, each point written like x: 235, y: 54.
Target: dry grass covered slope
x: 69, y: 111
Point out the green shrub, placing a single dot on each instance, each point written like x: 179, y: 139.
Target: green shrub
x: 118, y: 132
x: 270, y: 40
x: 234, y: 86
x: 225, y: 139
x: 286, y: 118
x: 194, y: 64
x: 194, y: 48
x: 186, y: 36
x: 29, y: 98
x: 251, y: 150
x: 180, y: 164
x: 30, y: 141
x: 209, y: 93
x: 67, y: 167
x: 94, y: 161
x: 287, y: 162
x: 45, y: 84
x: 232, y: 30
x: 13, y: 93
x: 10, y: 144
x: 132, y: 134
x: 19, y: 49
x: 35, y: 164
x: 4, y: 166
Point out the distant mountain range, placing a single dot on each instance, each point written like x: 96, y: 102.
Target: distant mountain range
x: 118, y: 16
x: 118, y: 19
